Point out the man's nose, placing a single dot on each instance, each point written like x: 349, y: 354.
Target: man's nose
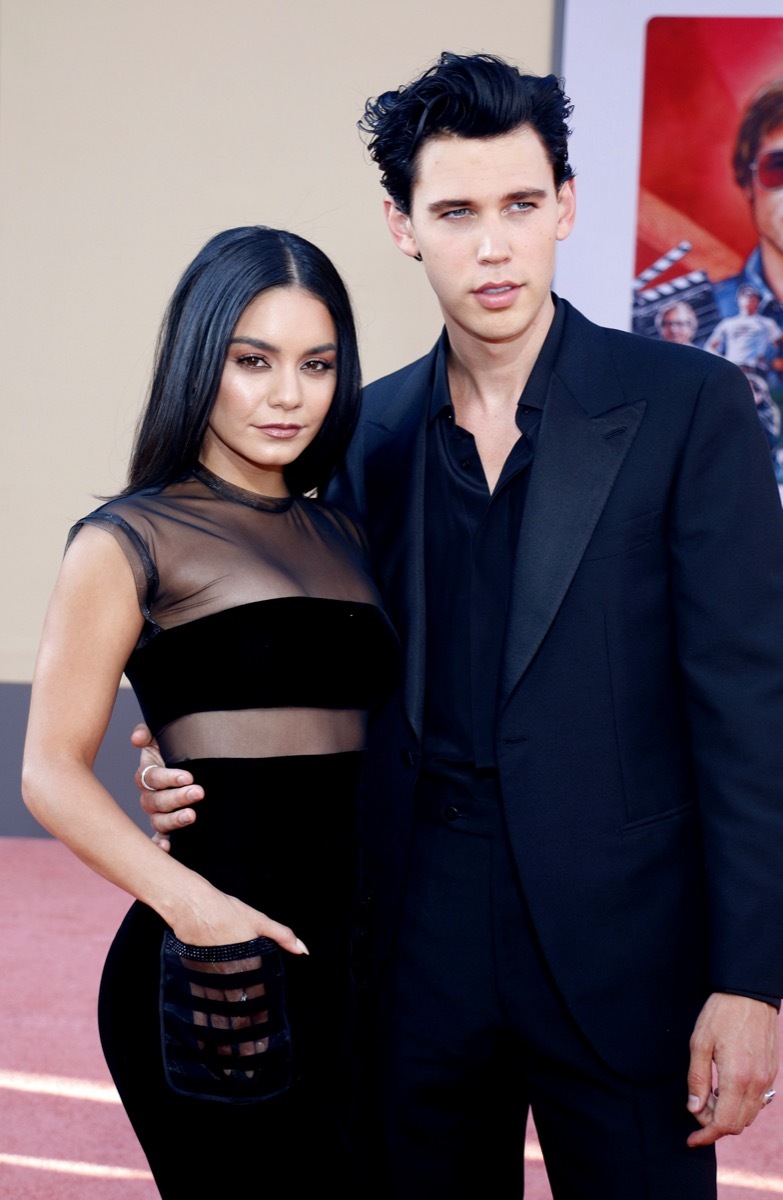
x: 493, y: 243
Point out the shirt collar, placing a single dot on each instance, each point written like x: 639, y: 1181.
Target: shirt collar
x: 754, y: 274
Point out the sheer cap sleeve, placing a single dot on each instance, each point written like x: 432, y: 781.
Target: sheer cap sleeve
x: 133, y: 547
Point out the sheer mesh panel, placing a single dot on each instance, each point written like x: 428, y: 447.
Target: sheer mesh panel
x: 262, y: 733
x: 224, y: 1023
x: 201, y: 548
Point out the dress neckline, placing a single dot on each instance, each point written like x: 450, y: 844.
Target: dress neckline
x: 239, y: 495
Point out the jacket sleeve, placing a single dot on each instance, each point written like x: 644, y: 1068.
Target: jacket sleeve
x: 726, y: 539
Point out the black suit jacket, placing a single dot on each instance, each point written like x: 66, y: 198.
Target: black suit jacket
x: 640, y: 727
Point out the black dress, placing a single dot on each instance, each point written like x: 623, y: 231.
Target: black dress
x: 263, y: 648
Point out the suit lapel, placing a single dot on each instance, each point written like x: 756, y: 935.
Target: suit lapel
x: 585, y: 434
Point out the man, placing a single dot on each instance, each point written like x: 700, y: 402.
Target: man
x: 758, y: 170
x: 747, y: 339
x: 677, y: 322
x: 572, y: 818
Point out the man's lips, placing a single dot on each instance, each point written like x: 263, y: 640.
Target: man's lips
x: 497, y: 295
x: 279, y: 431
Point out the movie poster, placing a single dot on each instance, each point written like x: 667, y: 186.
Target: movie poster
x: 709, y: 232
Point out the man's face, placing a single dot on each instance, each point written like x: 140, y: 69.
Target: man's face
x: 767, y: 206
x: 485, y: 218
x: 678, y: 325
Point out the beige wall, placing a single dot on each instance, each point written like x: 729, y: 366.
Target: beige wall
x: 130, y: 132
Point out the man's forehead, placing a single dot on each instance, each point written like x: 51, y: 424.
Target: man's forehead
x: 773, y: 137
x: 506, y: 163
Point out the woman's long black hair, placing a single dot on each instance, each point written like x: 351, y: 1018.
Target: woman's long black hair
x: 231, y: 269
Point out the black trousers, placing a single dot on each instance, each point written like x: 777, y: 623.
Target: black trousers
x: 474, y: 1035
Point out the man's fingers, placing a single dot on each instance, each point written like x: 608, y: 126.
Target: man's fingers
x: 703, y: 1113
x: 728, y: 1111
x: 152, y: 778
x: 166, y: 818
x: 166, y: 823
x: 719, y: 1118
x: 700, y: 1078
x: 169, y: 799
x: 717, y: 1123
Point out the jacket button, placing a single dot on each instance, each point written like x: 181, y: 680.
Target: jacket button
x: 451, y: 813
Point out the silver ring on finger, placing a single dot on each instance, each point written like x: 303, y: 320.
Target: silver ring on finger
x: 144, y: 783
x: 768, y: 1096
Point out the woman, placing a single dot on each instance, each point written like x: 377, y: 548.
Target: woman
x: 243, y: 614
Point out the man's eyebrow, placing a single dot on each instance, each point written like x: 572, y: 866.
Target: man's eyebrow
x: 258, y: 344
x: 530, y: 193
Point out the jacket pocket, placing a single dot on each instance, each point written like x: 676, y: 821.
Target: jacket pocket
x: 608, y: 541
x: 669, y: 816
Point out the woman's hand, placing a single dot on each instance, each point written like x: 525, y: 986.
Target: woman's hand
x: 221, y: 920
x: 232, y: 992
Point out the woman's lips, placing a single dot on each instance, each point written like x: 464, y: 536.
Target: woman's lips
x: 280, y: 431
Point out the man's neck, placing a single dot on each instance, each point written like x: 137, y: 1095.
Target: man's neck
x: 487, y: 377
x: 486, y: 380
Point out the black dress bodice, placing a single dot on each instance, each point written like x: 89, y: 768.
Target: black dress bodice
x: 263, y: 633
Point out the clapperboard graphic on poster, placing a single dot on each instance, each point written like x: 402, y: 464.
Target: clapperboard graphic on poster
x: 692, y: 288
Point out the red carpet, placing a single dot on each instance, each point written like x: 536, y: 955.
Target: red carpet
x: 63, y: 1134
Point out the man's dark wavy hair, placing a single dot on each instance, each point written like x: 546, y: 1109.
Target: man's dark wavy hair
x: 472, y: 96
x: 763, y: 114
x: 231, y: 270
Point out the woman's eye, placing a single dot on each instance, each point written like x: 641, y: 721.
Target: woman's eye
x: 252, y: 360
x: 317, y: 365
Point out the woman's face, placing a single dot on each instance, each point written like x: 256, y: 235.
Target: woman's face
x: 278, y: 382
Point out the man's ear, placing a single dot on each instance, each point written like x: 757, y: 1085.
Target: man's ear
x: 401, y: 229
x: 566, y: 209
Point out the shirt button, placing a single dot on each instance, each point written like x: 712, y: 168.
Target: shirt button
x: 465, y: 464
x: 451, y: 813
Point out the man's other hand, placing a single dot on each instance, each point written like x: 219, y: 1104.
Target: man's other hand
x: 734, y: 1045
x: 165, y: 793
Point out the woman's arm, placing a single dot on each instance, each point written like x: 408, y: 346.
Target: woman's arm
x: 91, y: 627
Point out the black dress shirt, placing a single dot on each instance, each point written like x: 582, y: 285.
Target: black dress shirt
x: 470, y: 547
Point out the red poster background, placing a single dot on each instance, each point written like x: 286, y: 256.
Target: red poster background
x: 700, y: 73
